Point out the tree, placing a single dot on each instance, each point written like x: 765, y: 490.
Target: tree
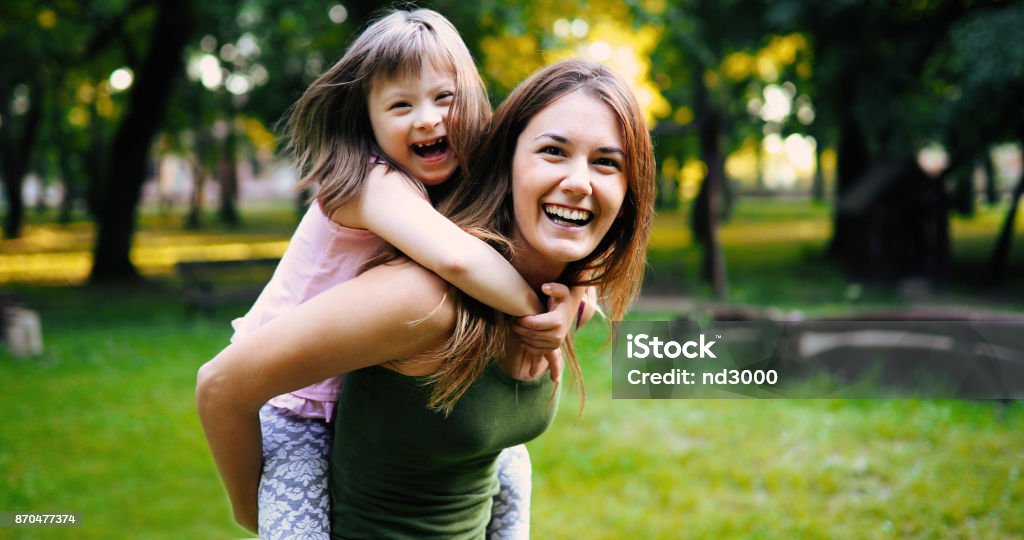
x: 874, y: 76
x: 986, y: 68
x: 22, y: 81
x: 699, y: 36
x: 173, y: 22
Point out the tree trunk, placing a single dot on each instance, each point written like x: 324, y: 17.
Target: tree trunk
x: 201, y: 144
x: 195, y: 210
x: 68, y: 179
x: 818, y: 183
x: 17, y: 156
x: 1001, y: 255
x: 991, y: 191
x: 708, y: 205
x: 147, y: 105
x: 852, y: 164
x: 92, y: 159
x: 227, y: 176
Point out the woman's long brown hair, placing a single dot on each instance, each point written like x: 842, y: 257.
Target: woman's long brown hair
x: 482, y: 205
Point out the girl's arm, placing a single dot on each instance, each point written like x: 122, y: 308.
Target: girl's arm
x: 393, y: 209
x: 362, y: 322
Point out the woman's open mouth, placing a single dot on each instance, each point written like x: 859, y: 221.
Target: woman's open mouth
x: 431, y: 149
x: 568, y: 217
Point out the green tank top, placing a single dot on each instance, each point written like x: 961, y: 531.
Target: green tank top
x: 400, y: 470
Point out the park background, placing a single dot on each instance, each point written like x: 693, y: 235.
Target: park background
x: 814, y: 159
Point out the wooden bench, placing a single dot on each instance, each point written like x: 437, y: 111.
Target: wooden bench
x: 209, y: 284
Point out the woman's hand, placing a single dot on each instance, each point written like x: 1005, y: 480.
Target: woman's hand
x: 542, y: 335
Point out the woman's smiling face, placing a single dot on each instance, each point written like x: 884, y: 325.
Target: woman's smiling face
x: 568, y: 179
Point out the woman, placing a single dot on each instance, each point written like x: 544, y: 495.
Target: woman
x: 432, y: 393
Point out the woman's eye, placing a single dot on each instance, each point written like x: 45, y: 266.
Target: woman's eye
x: 552, y: 151
x: 608, y: 162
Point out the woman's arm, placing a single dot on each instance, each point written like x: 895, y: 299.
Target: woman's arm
x: 392, y: 208
x: 362, y: 322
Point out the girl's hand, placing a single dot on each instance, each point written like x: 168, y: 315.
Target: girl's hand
x: 543, y: 334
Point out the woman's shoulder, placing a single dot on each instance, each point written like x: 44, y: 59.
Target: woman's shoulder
x: 425, y: 297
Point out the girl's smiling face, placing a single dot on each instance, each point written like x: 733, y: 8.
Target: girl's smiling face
x: 409, y: 117
x: 568, y: 180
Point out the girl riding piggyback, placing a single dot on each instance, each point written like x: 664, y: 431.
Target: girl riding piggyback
x: 383, y: 132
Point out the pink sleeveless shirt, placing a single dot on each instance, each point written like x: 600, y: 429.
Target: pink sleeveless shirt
x: 320, y: 255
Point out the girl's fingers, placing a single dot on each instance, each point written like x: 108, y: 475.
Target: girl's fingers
x: 522, y: 330
x: 530, y: 349
x: 555, y: 361
x: 543, y: 321
x: 557, y: 293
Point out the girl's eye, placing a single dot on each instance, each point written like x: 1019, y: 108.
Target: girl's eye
x: 552, y: 151
x: 445, y: 96
x: 608, y: 162
x: 399, y: 105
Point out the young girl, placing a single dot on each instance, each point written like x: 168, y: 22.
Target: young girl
x: 381, y: 131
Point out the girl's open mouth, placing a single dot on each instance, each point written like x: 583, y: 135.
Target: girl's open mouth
x: 431, y: 149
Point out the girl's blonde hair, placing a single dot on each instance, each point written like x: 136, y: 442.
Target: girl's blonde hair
x: 328, y: 131
x: 615, y: 267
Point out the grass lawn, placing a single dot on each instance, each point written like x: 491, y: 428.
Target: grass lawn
x: 104, y: 424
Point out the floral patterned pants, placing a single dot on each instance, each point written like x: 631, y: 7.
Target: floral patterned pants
x: 293, y: 498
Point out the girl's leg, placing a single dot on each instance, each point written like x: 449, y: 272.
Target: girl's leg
x: 510, y: 510
x: 293, y: 496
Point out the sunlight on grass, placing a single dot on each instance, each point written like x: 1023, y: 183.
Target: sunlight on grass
x: 72, y: 268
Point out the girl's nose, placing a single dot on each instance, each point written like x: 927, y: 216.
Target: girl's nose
x: 428, y: 118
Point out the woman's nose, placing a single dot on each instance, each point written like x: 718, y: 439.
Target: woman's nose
x: 577, y: 181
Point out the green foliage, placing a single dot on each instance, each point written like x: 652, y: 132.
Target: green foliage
x: 985, y: 80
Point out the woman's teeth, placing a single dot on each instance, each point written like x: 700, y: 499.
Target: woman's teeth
x: 567, y: 216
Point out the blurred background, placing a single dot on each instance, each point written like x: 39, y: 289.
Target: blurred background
x: 815, y: 159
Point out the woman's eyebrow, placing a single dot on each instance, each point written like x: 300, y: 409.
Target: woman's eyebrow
x: 611, y: 150
x: 563, y: 140
x: 554, y: 137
